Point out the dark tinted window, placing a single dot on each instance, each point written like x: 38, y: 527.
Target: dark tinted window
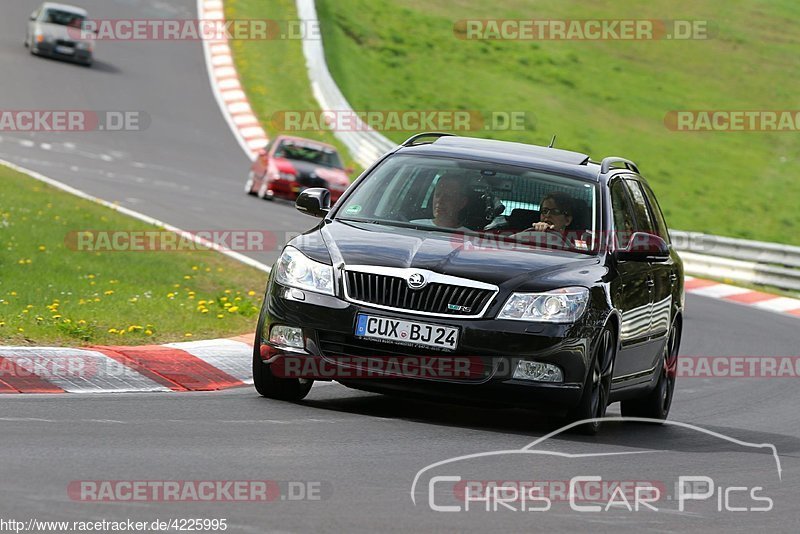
x: 641, y: 211
x: 655, y: 210
x: 622, y: 209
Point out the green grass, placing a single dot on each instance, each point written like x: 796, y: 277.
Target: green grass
x: 604, y: 98
x: 52, y: 294
x: 274, y: 73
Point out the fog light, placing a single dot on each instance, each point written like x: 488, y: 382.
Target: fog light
x: 538, y: 371
x: 286, y: 336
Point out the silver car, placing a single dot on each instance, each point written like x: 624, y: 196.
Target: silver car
x: 55, y: 30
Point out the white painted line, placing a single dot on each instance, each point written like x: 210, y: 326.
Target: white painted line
x: 214, y: 15
x: 240, y: 107
x: 213, y: 4
x: 234, y: 95
x: 719, y: 291
x: 79, y: 370
x: 779, y: 304
x: 222, y: 60
x: 225, y: 72
x: 257, y: 144
x: 227, y: 355
x: 253, y: 131
x: 243, y: 119
x: 229, y: 83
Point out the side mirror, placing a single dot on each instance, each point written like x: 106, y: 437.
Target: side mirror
x: 644, y: 247
x: 315, y: 201
x: 32, y: 17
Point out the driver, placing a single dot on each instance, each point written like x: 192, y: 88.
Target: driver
x: 450, y: 197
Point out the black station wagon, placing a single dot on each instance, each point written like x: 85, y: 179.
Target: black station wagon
x: 481, y: 270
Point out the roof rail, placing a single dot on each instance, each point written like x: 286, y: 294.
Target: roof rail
x: 411, y: 141
x: 605, y: 166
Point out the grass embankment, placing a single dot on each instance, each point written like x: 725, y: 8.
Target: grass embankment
x: 53, y: 294
x: 273, y: 72
x: 604, y: 98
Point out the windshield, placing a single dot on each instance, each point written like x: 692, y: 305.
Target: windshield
x: 503, y: 202
x: 62, y: 18
x: 317, y: 154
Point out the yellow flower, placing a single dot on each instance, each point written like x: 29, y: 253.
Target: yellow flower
x: 148, y: 332
x: 2, y: 323
x: 187, y: 334
x: 227, y: 305
x: 223, y: 299
x: 220, y: 316
x: 112, y: 330
x: 133, y: 299
x: 204, y: 310
x: 81, y: 322
x: 20, y: 329
x: 208, y: 269
x: 42, y: 248
x: 170, y: 295
x: 233, y: 309
x: 237, y: 299
x: 195, y: 267
x: 29, y: 306
x: 90, y: 276
x: 227, y: 291
x: 202, y: 302
x: 176, y: 285
x: 187, y: 277
x: 56, y: 317
x: 13, y: 293
x: 219, y: 269
x: 109, y: 292
x: 24, y: 311
x: 251, y: 293
x: 97, y: 299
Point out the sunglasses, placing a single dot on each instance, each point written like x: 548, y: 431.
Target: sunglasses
x: 554, y: 211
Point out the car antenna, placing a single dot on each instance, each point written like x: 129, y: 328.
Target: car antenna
x: 552, y: 142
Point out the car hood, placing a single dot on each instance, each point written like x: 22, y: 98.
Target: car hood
x: 355, y: 243
x: 57, y: 31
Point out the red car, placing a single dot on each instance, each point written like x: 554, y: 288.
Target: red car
x: 288, y: 165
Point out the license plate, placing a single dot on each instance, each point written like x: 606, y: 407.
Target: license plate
x: 406, y: 332
x: 65, y: 50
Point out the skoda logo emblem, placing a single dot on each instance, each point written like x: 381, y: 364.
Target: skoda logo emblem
x: 416, y: 281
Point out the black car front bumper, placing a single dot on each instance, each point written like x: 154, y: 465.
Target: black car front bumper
x: 492, y: 347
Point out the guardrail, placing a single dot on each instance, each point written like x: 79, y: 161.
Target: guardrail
x: 703, y: 254
x: 740, y: 260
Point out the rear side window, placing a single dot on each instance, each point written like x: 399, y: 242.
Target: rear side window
x: 622, y: 209
x: 641, y: 211
x: 658, y: 216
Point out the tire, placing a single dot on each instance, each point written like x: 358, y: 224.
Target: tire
x: 248, y: 186
x: 656, y: 404
x: 270, y: 386
x: 594, y: 399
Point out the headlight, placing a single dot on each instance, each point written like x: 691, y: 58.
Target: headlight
x: 295, y: 269
x: 563, y: 305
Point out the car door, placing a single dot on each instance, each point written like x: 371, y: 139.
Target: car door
x: 631, y: 292
x: 657, y: 279
x: 665, y: 274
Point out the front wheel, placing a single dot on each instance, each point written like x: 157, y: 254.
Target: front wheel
x: 594, y: 399
x: 656, y: 404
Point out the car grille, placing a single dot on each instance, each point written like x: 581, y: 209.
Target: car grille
x: 311, y: 180
x: 62, y: 42
x: 434, y: 298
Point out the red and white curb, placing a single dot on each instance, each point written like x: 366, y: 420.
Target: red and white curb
x: 740, y: 295
x: 226, y: 85
x: 192, y: 366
